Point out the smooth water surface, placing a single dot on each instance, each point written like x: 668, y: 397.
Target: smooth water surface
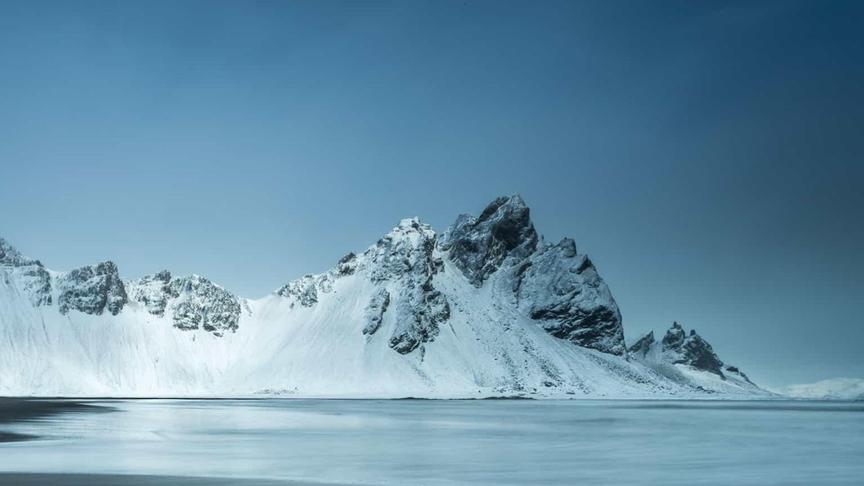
x: 439, y: 442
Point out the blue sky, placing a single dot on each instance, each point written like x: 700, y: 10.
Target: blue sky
x: 707, y: 155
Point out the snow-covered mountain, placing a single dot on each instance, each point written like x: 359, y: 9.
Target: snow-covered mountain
x: 832, y: 389
x: 488, y: 308
x: 687, y: 358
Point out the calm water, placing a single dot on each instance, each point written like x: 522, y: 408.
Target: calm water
x: 443, y: 442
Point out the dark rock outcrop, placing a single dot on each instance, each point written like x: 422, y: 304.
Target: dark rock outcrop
x: 198, y: 301
x: 554, y: 285
x: 153, y: 291
x: 405, y: 258
x: 691, y: 350
x: 375, y: 310
x: 34, y: 277
x: 194, y: 302
x: 563, y: 290
x: 304, y: 290
x: 642, y: 347
x: 92, y: 290
x: 678, y: 347
x: 479, y: 246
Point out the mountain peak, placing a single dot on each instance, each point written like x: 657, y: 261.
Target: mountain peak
x: 92, y: 289
x: 479, y: 246
x: 691, y: 349
x: 9, y: 255
x: 643, y: 345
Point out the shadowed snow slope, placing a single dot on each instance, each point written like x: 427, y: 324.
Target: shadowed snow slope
x: 488, y: 309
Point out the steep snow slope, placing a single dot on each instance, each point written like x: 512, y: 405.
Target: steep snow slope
x: 487, y: 310
x: 833, y: 389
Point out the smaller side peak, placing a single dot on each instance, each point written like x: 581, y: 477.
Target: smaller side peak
x: 92, y: 289
x: 479, y: 246
x: 106, y: 267
x: 408, y: 227
x: 568, y: 247
x: 506, y: 204
x: 643, y: 345
x: 9, y: 255
x: 674, y: 337
x: 409, y: 221
x: 347, y: 265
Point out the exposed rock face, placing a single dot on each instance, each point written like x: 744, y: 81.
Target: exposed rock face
x: 307, y: 290
x: 194, y: 302
x: 405, y: 258
x: 200, y: 302
x: 153, y: 291
x: 401, y: 266
x: 563, y: 290
x: 682, y: 348
x: 553, y: 284
x: 35, y: 279
x: 479, y: 246
x: 375, y: 310
x: 643, y: 346
x: 304, y: 290
x: 691, y: 350
x: 674, y: 337
x: 92, y: 290
x: 347, y: 265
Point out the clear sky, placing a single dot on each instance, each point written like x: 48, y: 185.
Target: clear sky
x: 708, y: 156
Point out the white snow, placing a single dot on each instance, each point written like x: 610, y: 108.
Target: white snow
x: 486, y: 348
x: 831, y: 389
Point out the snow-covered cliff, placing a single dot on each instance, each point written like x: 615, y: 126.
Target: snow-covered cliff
x: 486, y: 309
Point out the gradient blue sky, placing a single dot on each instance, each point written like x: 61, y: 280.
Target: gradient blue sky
x: 709, y: 156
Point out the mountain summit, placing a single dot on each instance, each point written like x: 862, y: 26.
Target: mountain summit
x: 488, y: 308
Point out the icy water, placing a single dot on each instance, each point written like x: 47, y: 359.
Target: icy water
x: 515, y: 442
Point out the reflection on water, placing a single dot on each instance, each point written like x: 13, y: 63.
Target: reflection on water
x: 445, y: 442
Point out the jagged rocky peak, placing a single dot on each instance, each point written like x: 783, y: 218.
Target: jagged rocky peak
x: 405, y: 259
x: 200, y: 302
x: 11, y: 257
x: 643, y: 345
x: 306, y: 290
x: 683, y: 348
x: 407, y: 248
x: 347, y: 265
x: 34, y: 277
x: 479, y: 246
x: 193, y: 302
x: 153, y: 291
x: 674, y: 337
x: 92, y: 289
x: 563, y: 291
x: 691, y: 349
x: 400, y: 267
x: 553, y: 283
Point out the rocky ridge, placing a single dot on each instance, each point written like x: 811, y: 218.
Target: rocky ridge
x: 678, y: 347
x: 35, y: 278
x: 193, y: 302
x: 488, y: 303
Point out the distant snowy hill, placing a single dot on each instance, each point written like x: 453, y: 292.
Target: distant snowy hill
x: 486, y: 309
x: 833, y: 389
